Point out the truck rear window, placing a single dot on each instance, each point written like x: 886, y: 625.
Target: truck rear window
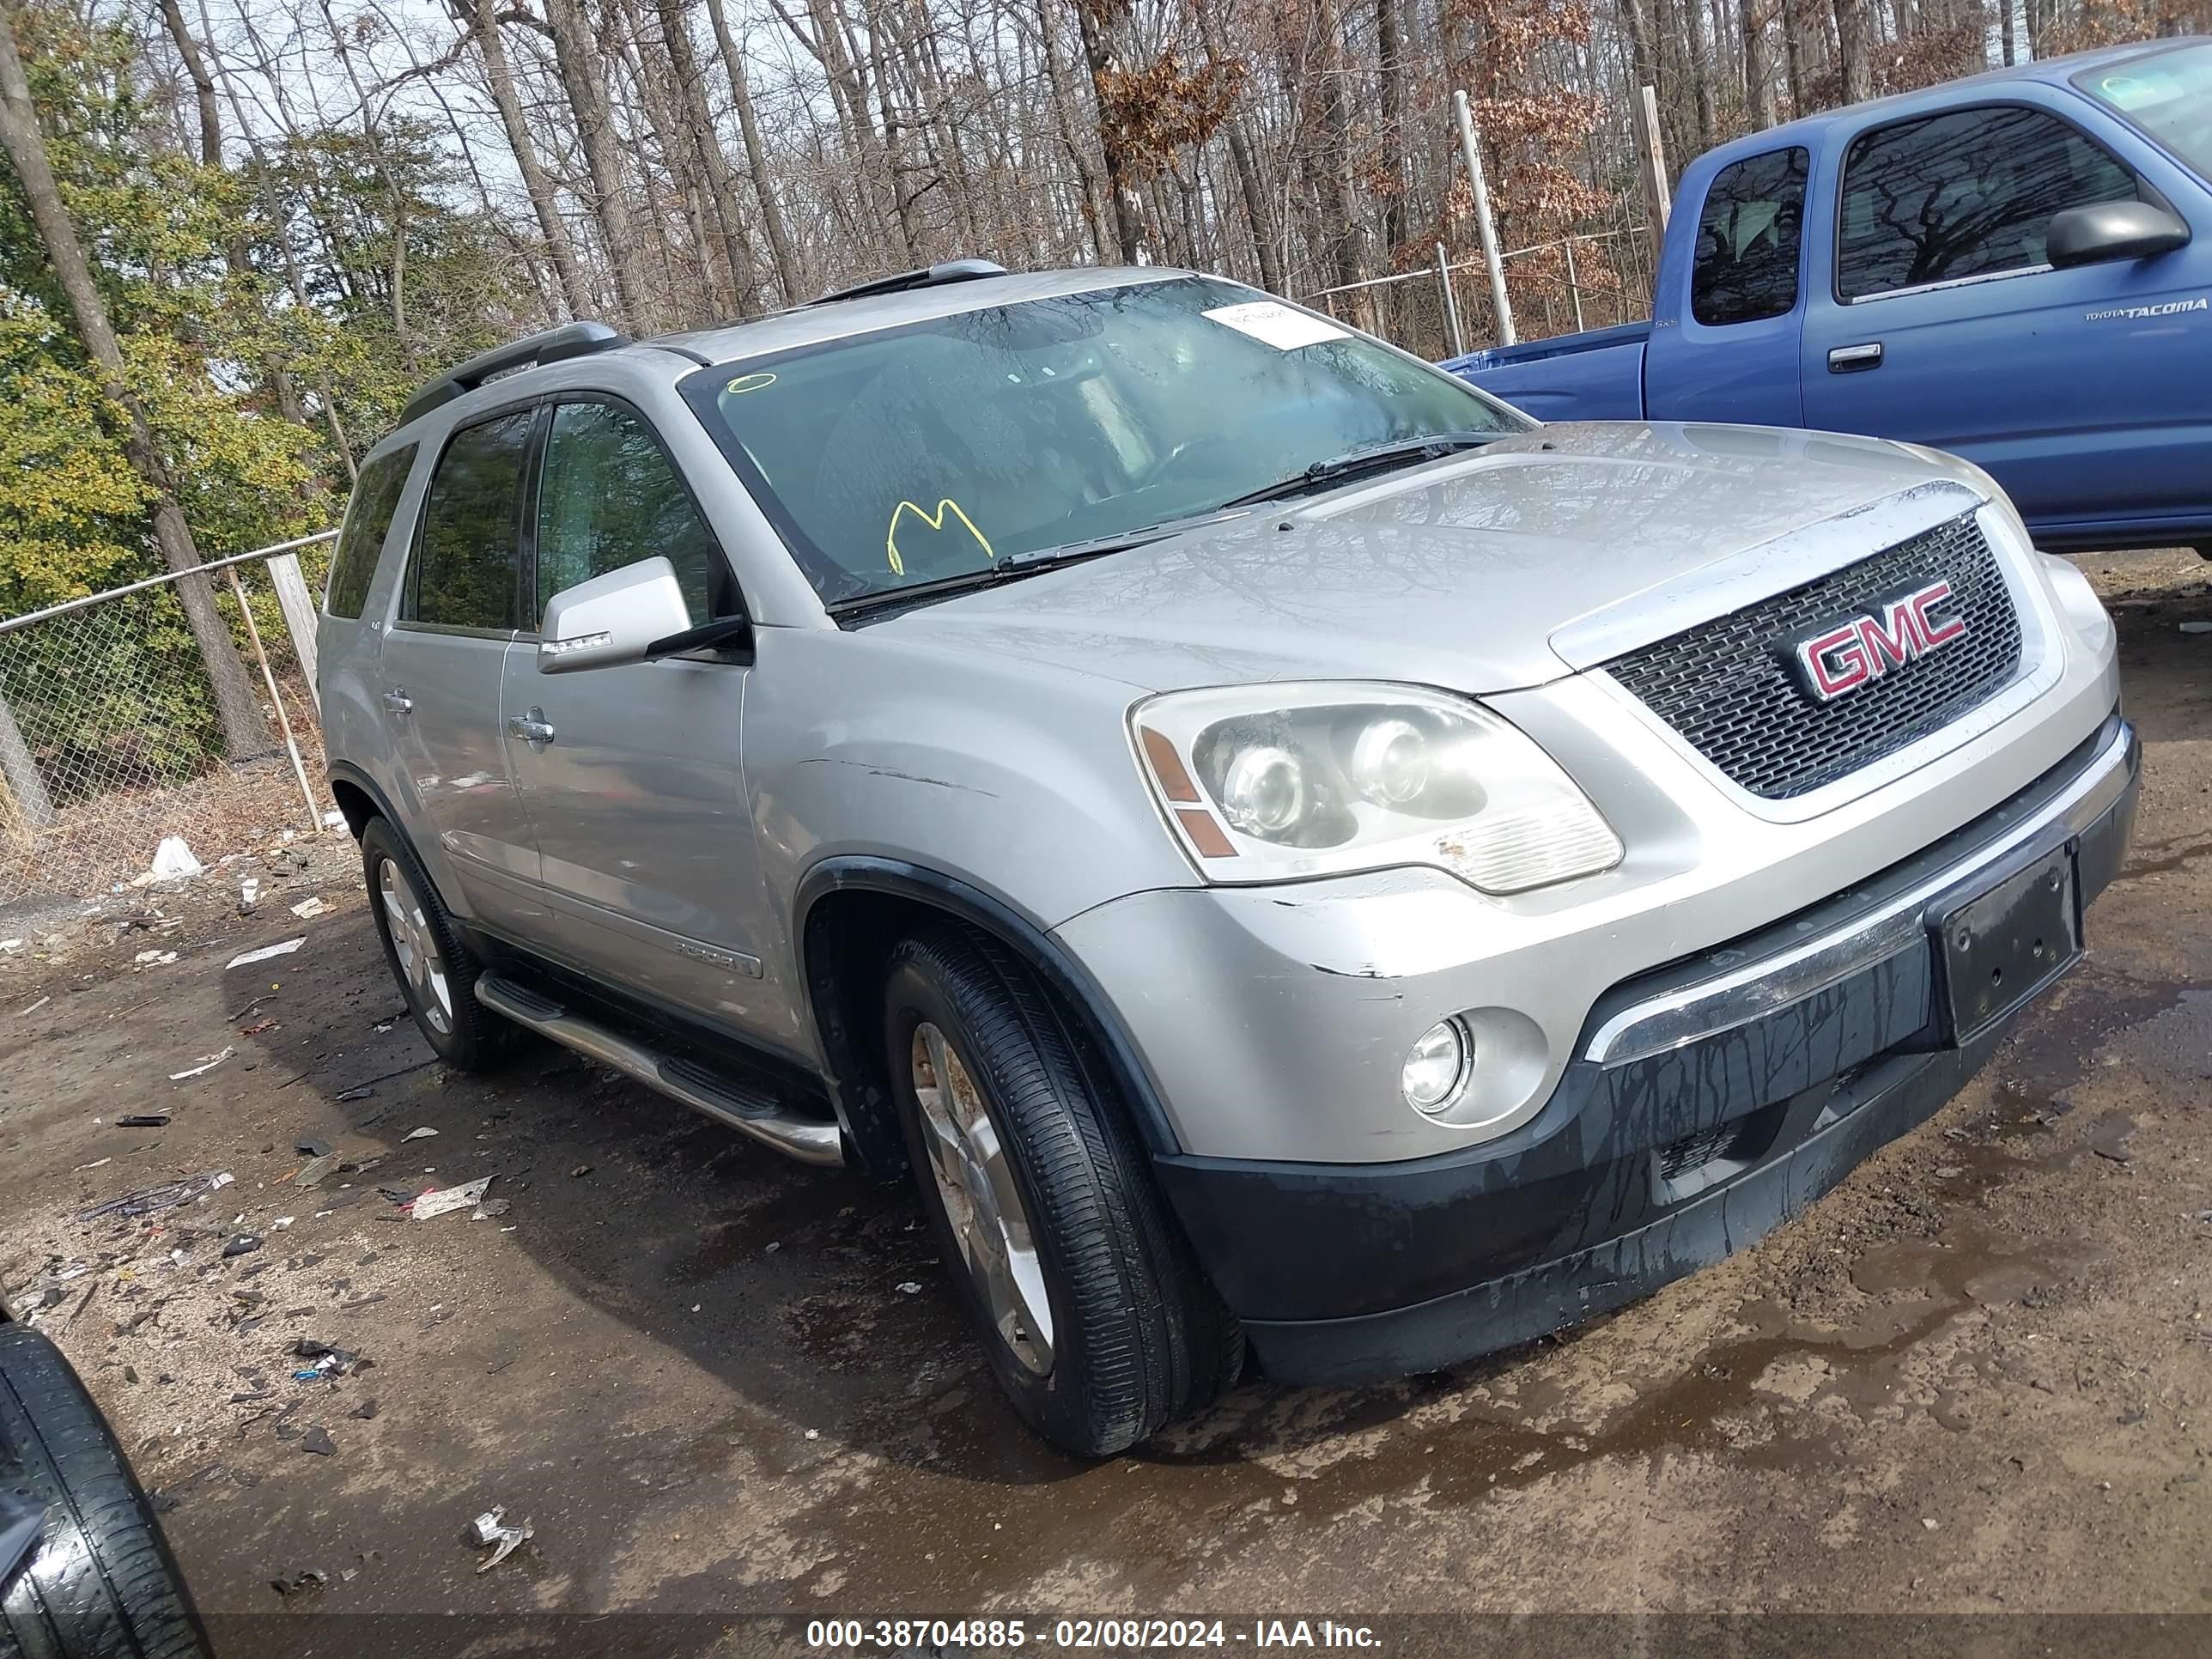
x: 1748, y: 233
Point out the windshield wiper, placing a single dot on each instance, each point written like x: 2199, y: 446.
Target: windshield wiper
x: 1015, y: 566
x: 1382, y: 458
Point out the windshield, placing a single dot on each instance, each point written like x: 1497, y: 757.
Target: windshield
x: 2168, y: 94
x: 934, y: 450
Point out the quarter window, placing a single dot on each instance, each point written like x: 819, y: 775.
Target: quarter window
x: 466, y: 565
x: 367, y: 521
x: 1748, y: 236
x: 1969, y: 193
x: 609, y: 497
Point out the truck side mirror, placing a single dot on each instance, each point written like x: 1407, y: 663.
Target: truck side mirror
x: 612, y: 619
x: 2112, y: 230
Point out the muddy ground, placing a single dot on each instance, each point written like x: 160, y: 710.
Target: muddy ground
x: 1978, y: 1377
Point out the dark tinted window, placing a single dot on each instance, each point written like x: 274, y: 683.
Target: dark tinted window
x: 609, y: 498
x: 367, y: 519
x: 465, y: 562
x: 1747, y: 241
x: 1963, y: 195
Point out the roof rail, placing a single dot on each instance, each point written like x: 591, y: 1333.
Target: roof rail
x: 952, y: 270
x: 553, y: 345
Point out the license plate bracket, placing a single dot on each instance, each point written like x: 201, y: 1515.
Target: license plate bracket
x: 1996, y: 948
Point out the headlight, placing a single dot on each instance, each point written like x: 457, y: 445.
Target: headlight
x: 1266, y: 782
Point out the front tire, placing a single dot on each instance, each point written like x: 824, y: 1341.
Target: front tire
x: 1095, y: 1319
x: 100, y: 1582
x: 436, y: 971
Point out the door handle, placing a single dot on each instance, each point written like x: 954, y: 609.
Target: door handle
x: 398, y: 702
x: 533, y: 727
x: 1855, y: 359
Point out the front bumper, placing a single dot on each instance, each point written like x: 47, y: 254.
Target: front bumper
x: 1709, y: 1102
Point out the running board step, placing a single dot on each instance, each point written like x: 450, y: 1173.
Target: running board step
x: 747, y: 1110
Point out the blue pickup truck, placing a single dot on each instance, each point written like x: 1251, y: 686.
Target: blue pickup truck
x: 2016, y: 268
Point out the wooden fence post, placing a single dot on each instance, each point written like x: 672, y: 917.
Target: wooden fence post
x: 1651, y: 157
x: 298, y: 605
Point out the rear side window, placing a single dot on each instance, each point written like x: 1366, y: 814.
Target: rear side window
x: 609, y: 497
x: 1748, y: 236
x: 466, y: 567
x: 367, y: 521
x: 1969, y: 193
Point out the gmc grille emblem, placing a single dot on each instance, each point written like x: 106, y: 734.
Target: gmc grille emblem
x: 1855, y: 651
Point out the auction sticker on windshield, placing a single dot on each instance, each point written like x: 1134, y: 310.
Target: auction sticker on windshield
x: 1277, y: 325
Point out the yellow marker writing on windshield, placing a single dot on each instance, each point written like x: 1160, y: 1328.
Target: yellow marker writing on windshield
x: 935, y: 522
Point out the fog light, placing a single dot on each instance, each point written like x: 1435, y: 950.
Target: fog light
x: 1437, y: 1067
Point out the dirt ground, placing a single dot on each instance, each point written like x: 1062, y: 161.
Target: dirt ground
x: 1975, y: 1378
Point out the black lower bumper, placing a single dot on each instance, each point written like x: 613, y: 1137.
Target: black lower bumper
x: 1633, y: 1175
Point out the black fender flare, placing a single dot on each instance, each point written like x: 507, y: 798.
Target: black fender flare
x: 1045, y: 956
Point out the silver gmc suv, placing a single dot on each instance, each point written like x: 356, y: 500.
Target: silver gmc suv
x: 1286, y: 849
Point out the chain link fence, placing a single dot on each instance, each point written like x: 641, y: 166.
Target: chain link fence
x: 114, y: 737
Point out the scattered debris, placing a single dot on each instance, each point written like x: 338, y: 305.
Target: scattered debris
x: 2109, y: 1140
x: 243, y: 1244
x: 146, y: 1200
x: 328, y: 1361
x: 580, y: 1171
x: 265, y: 952
x: 365, y: 1412
x: 416, y: 1134
x: 309, y: 907
x: 311, y: 1173
x: 143, y: 1121
x: 154, y: 958
x: 2196, y: 627
x: 490, y: 1529
x: 300, y: 1583
x: 492, y: 1207
x: 465, y: 1196
x: 910, y: 1287
x: 309, y: 1146
x: 259, y: 1027
x: 207, y: 1063
x: 249, y: 893
x: 174, y: 859
x: 34, y: 1007
x: 357, y: 1094
x: 317, y: 1441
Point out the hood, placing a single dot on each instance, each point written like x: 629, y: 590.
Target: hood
x: 1460, y: 573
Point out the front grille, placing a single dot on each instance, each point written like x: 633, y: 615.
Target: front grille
x: 1726, y: 687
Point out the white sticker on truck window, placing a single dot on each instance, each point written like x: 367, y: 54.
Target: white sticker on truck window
x: 1277, y: 325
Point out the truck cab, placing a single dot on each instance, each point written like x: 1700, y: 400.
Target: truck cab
x: 2016, y: 268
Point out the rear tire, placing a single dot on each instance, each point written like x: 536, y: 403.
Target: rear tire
x: 1097, y: 1319
x: 100, y: 1583
x: 435, y: 970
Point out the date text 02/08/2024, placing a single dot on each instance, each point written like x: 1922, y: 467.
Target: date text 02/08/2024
x: 1112, y: 1634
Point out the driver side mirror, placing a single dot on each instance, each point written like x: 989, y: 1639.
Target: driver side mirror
x: 612, y: 619
x: 2112, y: 230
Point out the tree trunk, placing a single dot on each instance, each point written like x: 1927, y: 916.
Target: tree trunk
x: 2005, y: 27
x: 19, y: 773
x: 1793, y: 56
x: 237, y: 257
x: 1241, y: 160
x: 245, y: 733
x: 1852, y: 46
x: 584, y: 80
x: 1122, y: 192
x: 741, y: 100
x: 1758, y: 65
x: 721, y: 178
x: 484, y: 26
